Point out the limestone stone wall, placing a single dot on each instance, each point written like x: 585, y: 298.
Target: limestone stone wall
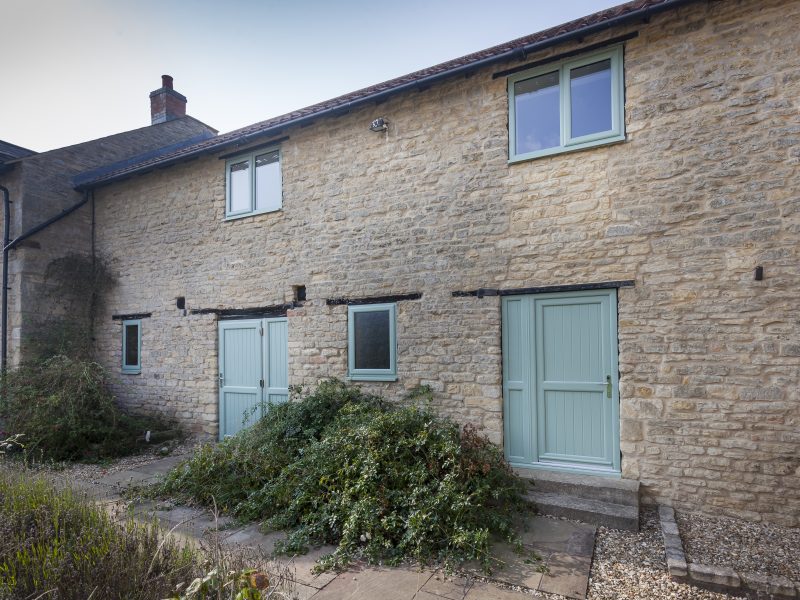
x: 179, y: 368
x: 704, y: 189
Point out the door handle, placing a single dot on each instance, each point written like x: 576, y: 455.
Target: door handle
x: 221, y: 379
x: 608, y: 386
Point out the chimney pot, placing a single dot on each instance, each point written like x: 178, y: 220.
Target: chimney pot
x: 165, y: 103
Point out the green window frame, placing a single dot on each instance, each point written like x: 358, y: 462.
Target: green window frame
x: 247, y: 202
x: 355, y: 367
x: 132, y: 357
x: 567, y: 141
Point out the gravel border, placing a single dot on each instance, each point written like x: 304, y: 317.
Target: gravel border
x: 93, y: 472
x: 763, y: 548
x: 715, y: 577
x: 631, y: 565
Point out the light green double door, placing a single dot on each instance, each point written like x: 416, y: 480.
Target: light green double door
x: 253, y: 370
x: 560, y: 392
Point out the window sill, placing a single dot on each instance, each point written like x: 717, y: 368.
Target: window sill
x: 609, y: 141
x: 357, y: 377
x: 252, y: 214
x: 132, y: 372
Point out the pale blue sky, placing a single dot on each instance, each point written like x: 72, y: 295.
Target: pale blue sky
x: 74, y: 70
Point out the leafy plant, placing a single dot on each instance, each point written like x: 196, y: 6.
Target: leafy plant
x: 65, y: 411
x: 227, y: 474
x: 382, y: 481
x: 246, y: 584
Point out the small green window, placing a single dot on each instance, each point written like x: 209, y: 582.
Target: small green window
x: 567, y: 106
x: 253, y: 184
x: 372, y: 341
x: 132, y: 346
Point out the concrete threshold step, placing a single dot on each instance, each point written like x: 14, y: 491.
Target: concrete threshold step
x: 591, y: 487
x: 597, y: 512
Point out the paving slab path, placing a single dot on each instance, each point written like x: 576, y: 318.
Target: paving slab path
x: 556, y: 557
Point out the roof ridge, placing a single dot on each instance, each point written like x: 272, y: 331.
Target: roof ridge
x: 91, y: 174
x: 113, y: 135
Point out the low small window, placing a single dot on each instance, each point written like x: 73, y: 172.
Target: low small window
x: 253, y: 184
x: 567, y: 106
x: 372, y: 352
x: 132, y: 346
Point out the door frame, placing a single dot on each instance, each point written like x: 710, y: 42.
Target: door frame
x: 531, y: 409
x: 264, y: 382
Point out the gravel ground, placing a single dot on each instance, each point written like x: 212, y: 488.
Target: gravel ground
x: 630, y: 565
x: 741, y: 545
x: 91, y: 472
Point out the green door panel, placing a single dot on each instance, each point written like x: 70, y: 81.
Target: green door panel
x: 558, y: 352
x: 239, y: 374
x: 276, y: 351
x: 573, y: 427
x: 253, y: 370
x: 517, y: 348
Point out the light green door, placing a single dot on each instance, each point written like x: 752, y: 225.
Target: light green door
x: 560, y: 392
x: 253, y: 370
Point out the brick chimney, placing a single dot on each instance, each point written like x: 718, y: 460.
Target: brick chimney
x: 165, y: 103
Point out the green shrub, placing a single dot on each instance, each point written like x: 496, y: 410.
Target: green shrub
x: 63, y: 545
x: 383, y: 481
x: 64, y: 411
x: 227, y: 474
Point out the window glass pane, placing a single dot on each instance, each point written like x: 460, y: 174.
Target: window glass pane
x: 372, y: 339
x: 590, y: 98
x: 131, y: 345
x: 268, y: 181
x: 240, y: 187
x: 537, y: 113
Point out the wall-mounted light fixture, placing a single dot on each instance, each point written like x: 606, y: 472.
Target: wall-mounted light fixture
x: 379, y: 124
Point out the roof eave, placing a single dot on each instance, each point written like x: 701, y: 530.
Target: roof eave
x: 642, y: 13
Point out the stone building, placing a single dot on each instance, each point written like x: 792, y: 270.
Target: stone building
x: 51, y: 220
x: 585, y: 241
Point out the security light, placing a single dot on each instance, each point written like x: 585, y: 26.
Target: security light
x: 379, y: 124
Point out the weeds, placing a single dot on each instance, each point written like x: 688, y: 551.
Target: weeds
x: 57, y: 542
x: 59, y: 545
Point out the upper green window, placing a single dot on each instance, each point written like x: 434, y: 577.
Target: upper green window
x: 567, y: 105
x: 132, y: 346
x: 372, y: 341
x: 253, y: 184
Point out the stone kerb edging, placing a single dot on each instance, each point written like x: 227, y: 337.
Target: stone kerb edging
x: 722, y: 579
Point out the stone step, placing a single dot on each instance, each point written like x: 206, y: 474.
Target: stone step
x: 591, y: 487
x: 597, y: 512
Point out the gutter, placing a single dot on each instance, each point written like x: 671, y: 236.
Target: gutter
x: 34, y: 230
x: 643, y: 13
x: 10, y: 245
x: 4, y: 301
